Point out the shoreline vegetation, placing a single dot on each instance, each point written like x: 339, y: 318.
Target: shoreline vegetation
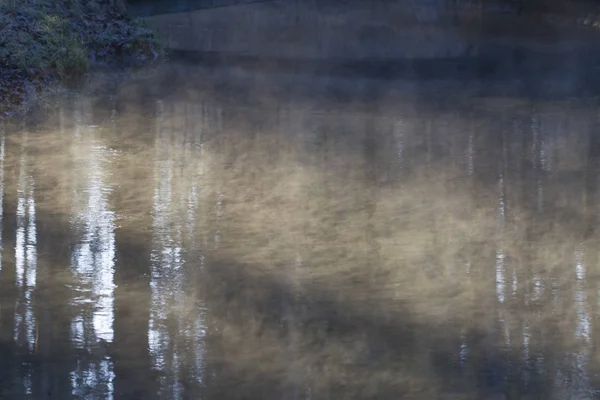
x: 44, y: 43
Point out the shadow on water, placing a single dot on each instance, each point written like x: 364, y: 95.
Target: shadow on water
x: 270, y: 336
x: 336, y: 344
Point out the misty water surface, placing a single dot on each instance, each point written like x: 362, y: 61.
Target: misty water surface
x: 244, y: 244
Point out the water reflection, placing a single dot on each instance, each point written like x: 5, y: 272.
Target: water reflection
x: 92, y: 258
x: 178, y: 196
x: 25, y: 253
x: 2, y: 144
x: 190, y: 248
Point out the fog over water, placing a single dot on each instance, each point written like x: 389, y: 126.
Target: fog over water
x: 242, y: 233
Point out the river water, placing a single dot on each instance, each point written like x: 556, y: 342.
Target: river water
x: 270, y: 236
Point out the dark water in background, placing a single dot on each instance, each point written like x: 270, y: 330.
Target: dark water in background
x: 263, y: 236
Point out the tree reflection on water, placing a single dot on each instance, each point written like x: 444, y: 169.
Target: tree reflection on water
x: 187, y: 247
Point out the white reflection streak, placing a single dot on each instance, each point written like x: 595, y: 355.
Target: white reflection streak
x: 31, y: 274
x: 583, y: 329
x: 175, y: 206
x: 219, y: 213
x: 25, y: 254
x: 463, y: 353
x: 500, y: 256
x: 500, y: 283
x: 583, y: 325
x: 93, y: 256
x: 154, y: 331
x: 505, y: 327
x: 166, y: 253
x: 86, y: 379
x: 93, y: 259
x: 195, y: 194
x: 526, y: 337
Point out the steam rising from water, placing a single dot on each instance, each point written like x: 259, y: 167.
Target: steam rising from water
x: 203, y: 249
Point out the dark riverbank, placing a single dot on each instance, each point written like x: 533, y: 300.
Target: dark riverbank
x: 43, y: 43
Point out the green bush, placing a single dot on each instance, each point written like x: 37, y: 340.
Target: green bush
x: 43, y: 41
